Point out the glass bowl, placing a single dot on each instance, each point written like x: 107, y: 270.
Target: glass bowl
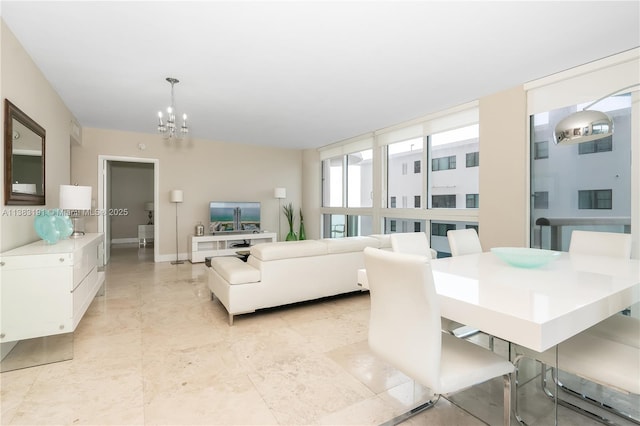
x: 524, y: 257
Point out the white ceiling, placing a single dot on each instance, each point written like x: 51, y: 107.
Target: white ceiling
x: 304, y: 74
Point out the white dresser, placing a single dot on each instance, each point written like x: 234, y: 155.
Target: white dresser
x: 145, y: 235
x: 45, y: 289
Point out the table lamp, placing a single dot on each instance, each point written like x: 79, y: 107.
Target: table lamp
x: 148, y: 207
x: 76, y: 200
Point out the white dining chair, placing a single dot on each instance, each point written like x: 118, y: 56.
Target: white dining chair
x: 417, y: 243
x: 597, y: 359
x: 463, y: 241
x: 620, y: 328
x: 412, y: 243
x: 607, y: 353
x: 612, y: 244
x: 404, y: 331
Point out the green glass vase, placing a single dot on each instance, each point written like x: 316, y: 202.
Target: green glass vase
x: 302, y: 234
x: 291, y: 236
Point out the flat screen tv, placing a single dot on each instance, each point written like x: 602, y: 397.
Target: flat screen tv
x: 234, y: 216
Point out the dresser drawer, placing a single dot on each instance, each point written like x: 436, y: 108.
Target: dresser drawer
x: 8, y: 263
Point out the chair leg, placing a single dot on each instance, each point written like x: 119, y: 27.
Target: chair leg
x: 507, y: 378
x: 551, y: 395
x: 583, y: 397
x: 417, y: 410
x: 516, y: 362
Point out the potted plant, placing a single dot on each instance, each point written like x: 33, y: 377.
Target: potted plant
x: 288, y: 212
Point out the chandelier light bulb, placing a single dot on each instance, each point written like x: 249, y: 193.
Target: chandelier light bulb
x: 161, y: 127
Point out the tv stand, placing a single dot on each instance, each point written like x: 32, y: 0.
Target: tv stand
x: 224, y: 244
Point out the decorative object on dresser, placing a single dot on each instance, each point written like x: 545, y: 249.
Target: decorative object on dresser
x: 76, y: 200
x: 52, y: 225
x: 148, y: 207
x: 176, y: 196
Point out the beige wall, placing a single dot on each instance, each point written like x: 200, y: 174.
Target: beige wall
x: 311, y: 192
x: 503, y: 212
x: 25, y: 86
x: 205, y: 170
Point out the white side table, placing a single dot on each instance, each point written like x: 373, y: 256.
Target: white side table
x: 145, y: 235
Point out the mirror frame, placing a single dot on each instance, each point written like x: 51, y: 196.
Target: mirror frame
x: 12, y: 112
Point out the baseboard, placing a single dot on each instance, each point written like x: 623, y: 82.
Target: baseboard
x: 172, y: 258
x: 124, y: 241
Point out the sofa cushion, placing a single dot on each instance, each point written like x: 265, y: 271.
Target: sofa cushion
x: 384, y: 239
x: 288, y: 249
x: 349, y: 244
x: 234, y: 270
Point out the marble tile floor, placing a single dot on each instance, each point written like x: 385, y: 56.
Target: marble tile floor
x: 156, y: 350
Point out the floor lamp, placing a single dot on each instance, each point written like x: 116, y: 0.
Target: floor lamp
x: 175, y: 196
x: 280, y: 194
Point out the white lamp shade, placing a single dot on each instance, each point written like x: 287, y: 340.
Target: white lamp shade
x: 280, y: 193
x: 176, y: 196
x: 148, y: 206
x: 74, y: 197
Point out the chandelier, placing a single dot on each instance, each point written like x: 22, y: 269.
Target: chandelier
x: 168, y: 129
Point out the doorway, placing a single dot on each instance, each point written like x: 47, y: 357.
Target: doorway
x: 126, y: 203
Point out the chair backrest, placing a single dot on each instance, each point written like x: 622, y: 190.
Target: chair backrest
x: 611, y: 244
x: 404, y: 326
x: 411, y: 243
x: 463, y: 241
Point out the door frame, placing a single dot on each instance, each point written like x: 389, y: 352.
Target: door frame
x: 104, y: 189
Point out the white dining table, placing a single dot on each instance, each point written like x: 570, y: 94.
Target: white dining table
x: 537, y: 308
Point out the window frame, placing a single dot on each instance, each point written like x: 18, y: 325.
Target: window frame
x: 595, y: 199
x: 449, y: 161
x: 475, y: 159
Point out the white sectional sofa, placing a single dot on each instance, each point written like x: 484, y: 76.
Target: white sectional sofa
x: 288, y: 272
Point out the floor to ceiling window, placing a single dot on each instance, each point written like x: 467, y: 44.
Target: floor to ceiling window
x: 405, y: 178
x: 582, y: 186
x: 448, y: 181
x: 347, y: 184
x: 453, y: 180
x: 404, y: 174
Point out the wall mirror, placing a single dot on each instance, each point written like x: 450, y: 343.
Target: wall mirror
x: 24, y: 142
